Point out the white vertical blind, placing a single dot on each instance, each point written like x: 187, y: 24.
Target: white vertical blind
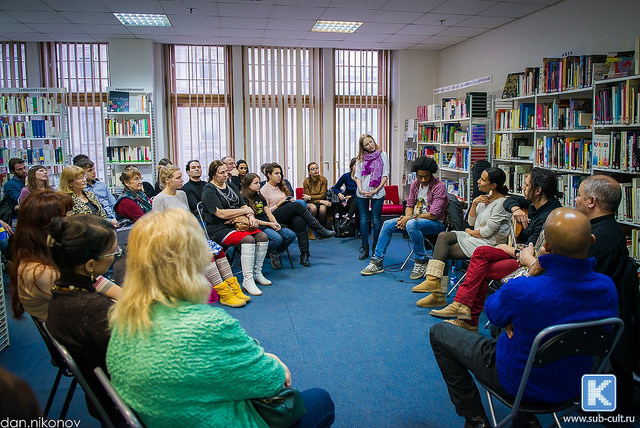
x: 13, y: 65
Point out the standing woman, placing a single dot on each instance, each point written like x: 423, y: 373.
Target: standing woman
x: 73, y: 181
x: 243, y: 169
x: 315, y: 193
x: 218, y: 271
x: 223, y: 206
x: 37, y: 179
x: 133, y: 203
x: 372, y: 173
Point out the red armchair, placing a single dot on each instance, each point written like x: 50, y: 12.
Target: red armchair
x: 392, y: 205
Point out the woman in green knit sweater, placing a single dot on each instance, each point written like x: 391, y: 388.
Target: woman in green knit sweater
x: 177, y: 361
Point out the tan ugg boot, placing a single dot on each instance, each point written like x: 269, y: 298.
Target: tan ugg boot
x: 433, y: 300
x: 237, y: 290
x: 452, y: 311
x: 435, y: 269
x: 227, y: 297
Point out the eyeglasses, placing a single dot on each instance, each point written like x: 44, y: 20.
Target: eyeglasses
x: 314, y: 168
x: 118, y: 253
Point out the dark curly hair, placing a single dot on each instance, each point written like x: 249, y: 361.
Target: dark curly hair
x: 424, y: 163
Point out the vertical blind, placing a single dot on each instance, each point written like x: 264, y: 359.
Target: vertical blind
x: 200, y: 103
x: 83, y: 70
x: 361, y: 102
x: 283, y: 108
x: 13, y: 65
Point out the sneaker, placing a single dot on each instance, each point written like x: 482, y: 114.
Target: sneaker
x: 419, y: 270
x: 374, y: 266
x: 462, y: 324
x: 477, y: 422
x: 275, y: 260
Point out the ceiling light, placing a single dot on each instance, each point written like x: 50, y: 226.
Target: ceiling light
x: 143, y: 19
x: 336, y: 26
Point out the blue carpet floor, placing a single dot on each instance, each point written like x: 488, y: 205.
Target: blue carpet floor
x: 361, y: 338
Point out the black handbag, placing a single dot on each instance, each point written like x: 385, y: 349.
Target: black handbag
x: 333, y: 197
x: 281, y: 410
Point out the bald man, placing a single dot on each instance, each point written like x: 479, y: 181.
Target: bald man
x: 568, y: 290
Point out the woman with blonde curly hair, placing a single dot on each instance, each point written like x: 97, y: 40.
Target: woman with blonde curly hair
x: 73, y: 181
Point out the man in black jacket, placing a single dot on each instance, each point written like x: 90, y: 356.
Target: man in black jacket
x: 193, y: 188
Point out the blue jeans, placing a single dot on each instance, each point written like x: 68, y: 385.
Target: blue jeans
x: 366, y: 217
x: 280, y: 240
x: 417, y: 229
x: 320, y: 409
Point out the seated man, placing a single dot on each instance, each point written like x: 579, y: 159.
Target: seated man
x: 193, y: 187
x: 424, y: 215
x: 541, y: 195
x: 568, y: 291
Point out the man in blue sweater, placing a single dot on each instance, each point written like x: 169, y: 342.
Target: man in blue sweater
x: 13, y: 187
x: 567, y: 291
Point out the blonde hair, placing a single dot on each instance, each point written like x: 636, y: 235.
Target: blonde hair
x: 70, y: 173
x: 361, y: 149
x: 165, y: 264
x: 167, y: 172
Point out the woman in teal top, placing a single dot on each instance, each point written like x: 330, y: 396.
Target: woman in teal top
x: 177, y: 361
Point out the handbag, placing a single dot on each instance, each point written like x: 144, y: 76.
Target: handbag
x: 281, y: 410
x: 241, y: 223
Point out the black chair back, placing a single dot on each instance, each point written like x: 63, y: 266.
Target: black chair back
x: 128, y: 415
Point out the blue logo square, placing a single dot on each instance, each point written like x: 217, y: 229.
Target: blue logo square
x: 598, y: 393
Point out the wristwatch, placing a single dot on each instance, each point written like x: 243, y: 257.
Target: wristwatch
x: 517, y: 253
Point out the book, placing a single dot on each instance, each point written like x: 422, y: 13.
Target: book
x: 512, y: 85
x: 118, y: 101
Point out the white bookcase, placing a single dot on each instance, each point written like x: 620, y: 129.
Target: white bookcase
x: 4, y: 328
x: 129, y: 134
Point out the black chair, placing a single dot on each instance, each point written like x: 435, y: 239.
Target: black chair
x: 128, y: 416
x: 591, y: 338
x: 56, y: 361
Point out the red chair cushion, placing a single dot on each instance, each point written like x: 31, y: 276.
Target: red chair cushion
x: 299, y: 192
x: 392, y: 203
x: 391, y: 209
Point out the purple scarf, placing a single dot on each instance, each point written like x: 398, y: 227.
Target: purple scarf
x: 373, y: 164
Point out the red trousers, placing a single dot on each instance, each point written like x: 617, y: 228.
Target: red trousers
x: 487, y: 263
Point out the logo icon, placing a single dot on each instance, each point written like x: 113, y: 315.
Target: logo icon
x: 598, y: 393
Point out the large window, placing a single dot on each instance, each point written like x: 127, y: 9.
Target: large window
x: 200, y: 101
x: 82, y: 69
x: 13, y: 66
x: 283, y: 108
x: 361, y: 101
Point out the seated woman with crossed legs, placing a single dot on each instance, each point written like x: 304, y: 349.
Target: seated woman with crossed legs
x: 315, y: 194
x: 490, y: 224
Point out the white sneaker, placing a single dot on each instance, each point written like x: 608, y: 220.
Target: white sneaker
x: 419, y: 270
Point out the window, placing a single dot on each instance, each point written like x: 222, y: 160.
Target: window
x: 283, y: 108
x: 82, y: 69
x: 13, y: 66
x: 361, y: 102
x: 200, y: 101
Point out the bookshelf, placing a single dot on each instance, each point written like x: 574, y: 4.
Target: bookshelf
x: 4, y: 329
x: 456, y: 131
x: 129, y: 134
x: 410, y: 154
x: 34, y: 127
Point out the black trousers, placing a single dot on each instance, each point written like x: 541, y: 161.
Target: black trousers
x: 290, y: 214
x: 459, y: 353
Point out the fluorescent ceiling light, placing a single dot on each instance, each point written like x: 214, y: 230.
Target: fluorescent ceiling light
x: 143, y: 19
x: 336, y: 26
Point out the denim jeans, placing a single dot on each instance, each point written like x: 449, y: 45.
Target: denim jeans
x: 417, y: 229
x: 280, y: 240
x: 320, y: 409
x: 366, y: 217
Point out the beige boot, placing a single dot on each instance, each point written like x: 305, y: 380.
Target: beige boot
x: 311, y: 235
x: 227, y: 297
x: 435, y: 269
x: 454, y: 310
x: 462, y: 324
x: 433, y: 300
x: 237, y: 290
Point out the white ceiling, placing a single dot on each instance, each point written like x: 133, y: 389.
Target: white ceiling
x: 388, y: 24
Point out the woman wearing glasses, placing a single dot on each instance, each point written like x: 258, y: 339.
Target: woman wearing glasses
x: 133, y: 203
x: 73, y: 181
x: 314, y: 194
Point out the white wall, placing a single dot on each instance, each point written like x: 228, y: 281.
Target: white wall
x: 593, y: 26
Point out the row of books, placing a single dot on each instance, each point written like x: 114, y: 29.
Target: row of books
x: 522, y: 84
x: 618, y: 104
x: 474, y: 104
x: 516, y: 175
x: 570, y: 72
x: 457, y: 187
x: 569, y: 184
x: 629, y: 208
x: 507, y: 147
x: 28, y: 105
x: 518, y: 119
x: 461, y: 158
x: 633, y: 243
x: 408, y: 178
x: 428, y: 133
x: 413, y: 154
x: 45, y: 155
x: 429, y: 113
x: 564, y: 153
x: 126, y: 102
x: 127, y: 127
x: 453, y: 108
x: 619, y: 150
x: 129, y: 154
x: 564, y: 115
x: 35, y: 128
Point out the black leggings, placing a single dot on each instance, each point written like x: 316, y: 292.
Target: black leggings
x: 447, y: 247
x: 290, y: 214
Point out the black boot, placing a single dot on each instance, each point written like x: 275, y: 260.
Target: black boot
x: 364, y: 252
x: 315, y: 225
x: 303, y: 245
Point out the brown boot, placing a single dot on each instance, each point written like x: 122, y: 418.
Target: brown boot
x: 453, y: 310
x: 311, y: 235
x: 433, y: 300
x: 227, y: 297
x: 237, y: 290
x: 435, y: 270
x: 462, y: 324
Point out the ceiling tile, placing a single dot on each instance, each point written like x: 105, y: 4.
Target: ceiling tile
x: 462, y: 31
x: 296, y: 12
x: 162, y: 31
x: 374, y: 27
x: 104, y: 29
x: 54, y: 28
x: 392, y: 46
x: 435, y: 18
x: 469, y: 7
x: 389, y: 16
x: 182, y: 7
x: 282, y: 34
x: 443, y: 40
x: 80, y: 38
x: 6, y: 18
x: 137, y: 6
x: 346, y: 14
x: 359, y: 4
x: 16, y: 27
x: 241, y: 32
x: 241, y: 41
x: 232, y: 22
x: 194, y: 20
x: 512, y: 10
x: 315, y: 43
x: 27, y: 37
x: 290, y: 24
x: 423, y: 30
x: 405, y: 38
x: 317, y: 3
x: 484, y: 21
x: 312, y: 35
x: 366, y: 37
x: 545, y: 2
x: 91, y: 18
x: 424, y: 47
x: 35, y: 17
x: 412, y: 5
x: 251, y: 10
x: 199, y: 31
x: 77, y: 6
x: 284, y: 43
x: 25, y: 5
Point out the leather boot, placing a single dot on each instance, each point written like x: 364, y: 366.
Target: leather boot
x: 303, y: 245
x: 315, y: 225
x: 261, y: 253
x: 364, y: 252
x: 433, y: 300
x: 227, y: 297
x: 237, y: 290
x: 248, y: 260
x: 310, y: 234
x: 435, y: 270
x: 452, y: 311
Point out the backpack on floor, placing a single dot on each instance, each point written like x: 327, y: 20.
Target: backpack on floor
x: 344, y: 228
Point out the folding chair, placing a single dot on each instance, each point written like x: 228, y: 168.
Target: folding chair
x: 128, y: 415
x: 554, y: 343
x: 56, y: 361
